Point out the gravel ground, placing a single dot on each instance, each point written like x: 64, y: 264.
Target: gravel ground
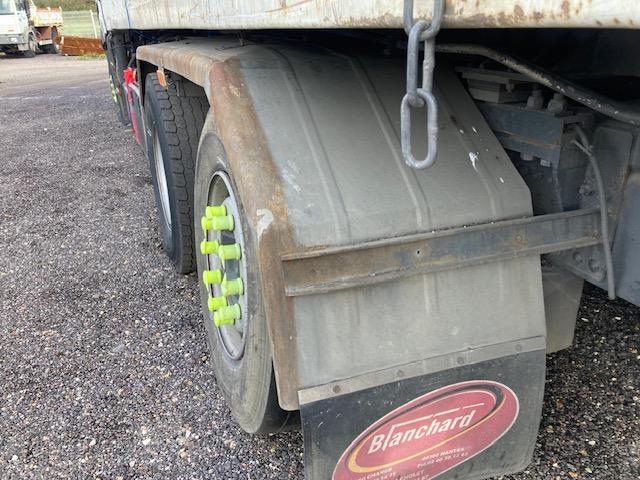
x: 105, y: 365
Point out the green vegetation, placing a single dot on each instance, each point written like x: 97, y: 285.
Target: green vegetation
x: 68, y: 5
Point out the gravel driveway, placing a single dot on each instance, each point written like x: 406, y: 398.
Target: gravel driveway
x: 105, y: 368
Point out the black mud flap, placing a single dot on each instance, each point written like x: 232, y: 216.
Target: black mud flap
x: 471, y: 422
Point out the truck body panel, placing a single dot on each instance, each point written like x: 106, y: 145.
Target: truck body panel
x: 269, y: 14
x: 47, y: 17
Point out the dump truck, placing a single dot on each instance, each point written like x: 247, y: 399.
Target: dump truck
x: 26, y: 29
x: 391, y: 207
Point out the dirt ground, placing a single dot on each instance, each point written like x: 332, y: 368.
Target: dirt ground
x: 105, y: 369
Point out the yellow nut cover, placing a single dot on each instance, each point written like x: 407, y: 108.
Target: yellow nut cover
x: 215, y: 211
x: 216, y: 303
x: 209, y: 248
x: 229, y: 252
x: 226, y: 315
x: 232, y: 287
x: 212, y: 277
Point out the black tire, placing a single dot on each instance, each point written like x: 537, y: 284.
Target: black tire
x: 176, y: 122
x: 116, y: 87
x: 33, y: 48
x: 248, y: 384
x: 53, y: 48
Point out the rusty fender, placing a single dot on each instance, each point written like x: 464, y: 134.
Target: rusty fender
x: 258, y: 183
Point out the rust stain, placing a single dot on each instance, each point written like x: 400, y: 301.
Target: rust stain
x: 566, y: 9
x: 384, y: 21
x: 518, y: 13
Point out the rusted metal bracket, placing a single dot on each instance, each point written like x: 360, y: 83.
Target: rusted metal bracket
x: 338, y: 268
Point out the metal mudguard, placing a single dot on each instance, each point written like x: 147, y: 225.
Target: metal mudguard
x: 313, y: 140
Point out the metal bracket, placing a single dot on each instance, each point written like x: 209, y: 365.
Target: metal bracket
x: 420, y: 31
x: 338, y: 268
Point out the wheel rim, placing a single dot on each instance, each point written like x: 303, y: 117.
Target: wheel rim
x: 161, y: 177
x: 231, y: 337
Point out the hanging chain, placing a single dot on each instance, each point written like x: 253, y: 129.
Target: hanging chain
x: 420, y: 31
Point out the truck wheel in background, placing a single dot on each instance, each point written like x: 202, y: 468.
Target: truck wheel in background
x: 116, y: 87
x: 229, y: 281
x: 33, y: 47
x: 53, y: 48
x: 173, y: 125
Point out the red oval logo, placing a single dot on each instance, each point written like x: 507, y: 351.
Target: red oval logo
x: 431, y: 434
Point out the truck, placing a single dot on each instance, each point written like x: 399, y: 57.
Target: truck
x: 392, y: 208
x: 28, y: 30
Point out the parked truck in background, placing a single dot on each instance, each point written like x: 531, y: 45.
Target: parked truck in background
x: 392, y: 208
x: 26, y: 29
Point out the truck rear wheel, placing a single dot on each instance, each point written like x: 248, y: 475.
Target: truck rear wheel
x: 231, y: 296
x: 53, y: 48
x: 173, y: 126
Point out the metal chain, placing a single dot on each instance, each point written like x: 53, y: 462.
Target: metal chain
x: 420, y: 31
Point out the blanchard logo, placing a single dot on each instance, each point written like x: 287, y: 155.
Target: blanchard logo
x: 414, y: 430
x: 432, y: 433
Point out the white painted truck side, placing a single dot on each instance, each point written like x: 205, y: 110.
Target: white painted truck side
x: 259, y: 14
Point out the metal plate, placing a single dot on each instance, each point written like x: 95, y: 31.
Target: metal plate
x: 328, y: 435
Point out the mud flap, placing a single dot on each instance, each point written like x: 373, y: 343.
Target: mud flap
x: 469, y: 422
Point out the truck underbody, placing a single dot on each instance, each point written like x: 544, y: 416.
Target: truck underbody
x: 404, y: 312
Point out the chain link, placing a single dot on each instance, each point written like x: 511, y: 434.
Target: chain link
x: 420, y: 31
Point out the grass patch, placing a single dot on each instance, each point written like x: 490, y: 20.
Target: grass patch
x: 68, y: 4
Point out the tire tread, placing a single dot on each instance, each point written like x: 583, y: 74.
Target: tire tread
x: 182, y: 119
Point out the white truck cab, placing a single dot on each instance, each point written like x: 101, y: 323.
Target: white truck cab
x: 27, y: 29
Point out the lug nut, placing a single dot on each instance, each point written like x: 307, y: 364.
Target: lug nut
x: 232, y: 287
x: 222, y: 223
x: 209, y: 248
x: 226, y: 315
x: 206, y: 223
x: 215, y: 211
x: 216, y: 303
x: 229, y: 252
x: 212, y: 277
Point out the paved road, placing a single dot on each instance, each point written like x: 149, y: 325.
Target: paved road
x: 105, y: 368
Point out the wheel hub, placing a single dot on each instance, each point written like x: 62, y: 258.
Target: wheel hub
x: 226, y: 268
